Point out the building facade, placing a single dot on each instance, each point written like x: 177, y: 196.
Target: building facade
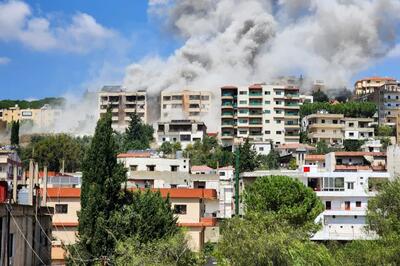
x: 186, y: 104
x: 8, y: 160
x: 182, y: 131
x: 122, y: 103
x: 261, y: 113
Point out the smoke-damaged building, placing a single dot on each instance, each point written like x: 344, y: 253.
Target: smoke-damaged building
x: 123, y: 103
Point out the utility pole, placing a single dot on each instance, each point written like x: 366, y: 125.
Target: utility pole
x: 237, y: 155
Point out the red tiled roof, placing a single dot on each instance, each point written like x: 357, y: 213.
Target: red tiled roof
x: 255, y: 86
x: 315, y: 157
x: 229, y: 87
x: 212, y: 134
x: 204, y: 222
x: 201, y: 168
x: 359, y: 153
x: 352, y: 167
x: 295, y: 146
x: 377, y: 78
x: 67, y: 224
x: 63, y: 192
x: 144, y: 154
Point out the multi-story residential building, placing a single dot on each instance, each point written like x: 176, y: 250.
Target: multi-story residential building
x: 358, y: 128
x: 183, y: 131
x: 123, y: 103
x: 189, y: 205
x: 324, y: 127
x: 344, y: 181
x: 384, y: 92
x: 185, y: 104
x: 8, y: 160
x: 226, y: 192
x: 42, y: 118
x: 297, y: 151
x: 334, y: 128
x: 261, y: 113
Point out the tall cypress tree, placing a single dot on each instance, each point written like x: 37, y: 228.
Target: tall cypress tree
x: 14, y: 139
x: 101, y: 194
x: 138, y: 135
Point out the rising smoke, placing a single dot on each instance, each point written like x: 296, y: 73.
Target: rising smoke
x: 246, y: 41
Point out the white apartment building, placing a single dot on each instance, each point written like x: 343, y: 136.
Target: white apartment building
x: 183, y: 131
x: 186, y: 104
x: 226, y: 192
x: 8, y: 160
x: 344, y: 181
x: 261, y: 113
x: 358, y: 128
x: 123, y: 103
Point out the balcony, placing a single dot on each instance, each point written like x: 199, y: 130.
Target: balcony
x: 255, y: 94
x: 227, y: 114
x: 226, y: 95
x: 292, y: 95
x: 255, y: 103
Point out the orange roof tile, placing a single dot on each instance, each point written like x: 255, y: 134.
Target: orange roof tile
x: 359, y: 153
x: 255, y: 86
x: 352, y: 167
x: 229, y: 87
x: 144, y: 154
x: 61, y: 224
x: 201, y: 168
x: 315, y: 157
x: 63, y: 192
x: 204, y: 222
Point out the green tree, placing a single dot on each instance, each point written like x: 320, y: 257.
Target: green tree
x: 322, y: 147
x: 353, y: 144
x: 249, y: 159
x: 101, y: 194
x: 284, y: 196
x: 167, y: 251
x: 320, y: 96
x: 383, y: 213
x: 292, y: 164
x: 266, y: 240
x: 166, y: 147
x: 14, y: 139
x: 348, y: 109
x: 272, y: 160
x: 138, y: 135
x: 385, y: 131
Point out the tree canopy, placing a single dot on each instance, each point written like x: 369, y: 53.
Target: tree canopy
x: 286, y: 197
x: 14, y: 138
x: 348, y: 109
x: 36, y: 104
x: 249, y: 159
x: 138, y: 135
x: 320, y: 96
x: 353, y: 144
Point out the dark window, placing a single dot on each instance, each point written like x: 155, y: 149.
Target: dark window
x: 133, y: 167
x: 174, y: 168
x: 328, y: 205
x: 180, y: 209
x: 151, y: 168
x: 184, y: 137
x: 347, y: 205
x: 358, y: 203
x: 61, y: 208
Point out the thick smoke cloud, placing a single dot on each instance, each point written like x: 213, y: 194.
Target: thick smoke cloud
x: 246, y: 41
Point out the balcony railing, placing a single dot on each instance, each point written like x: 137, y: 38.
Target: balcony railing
x: 255, y: 94
x: 255, y: 103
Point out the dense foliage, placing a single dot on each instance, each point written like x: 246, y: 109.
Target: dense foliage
x: 249, y: 159
x: 51, y: 150
x: 286, y: 197
x: 14, y: 138
x: 384, y: 131
x: 348, y: 109
x: 112, y: 216
x: 353, y: 144
x: 208, y: 152
x: 138, y: 135
x: 170, y: 148
x: 36, y: 104
x: 270, y: 161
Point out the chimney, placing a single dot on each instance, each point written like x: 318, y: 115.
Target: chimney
x: 45, y: 186
x: 30, y: 193
x: 15, y: 173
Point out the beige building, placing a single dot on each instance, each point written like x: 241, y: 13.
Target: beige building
x: 8, y: 160
x: 189, y: 204
x: 261, y: 113
x: 185, y: 104
x: 42, y: 118
x: 370, y: 85
x: 334, y: 128
x: 122, y: 103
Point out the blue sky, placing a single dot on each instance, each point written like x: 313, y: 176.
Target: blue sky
x: 67, y: 46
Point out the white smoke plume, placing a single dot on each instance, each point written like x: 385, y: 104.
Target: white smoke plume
x: 245, y: 41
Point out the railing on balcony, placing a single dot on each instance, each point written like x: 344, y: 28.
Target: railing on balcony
x: 255, y: 94
x: 227, y: 113
x: 291, y: 104
x: 291, y: 94
x: 255, y: 103
x: 292, y: 113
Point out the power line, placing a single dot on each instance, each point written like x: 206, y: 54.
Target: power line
x: 26, y: 240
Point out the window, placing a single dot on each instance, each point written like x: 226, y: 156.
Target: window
x: 267, y: 132
x: 267, y: 102
x: 242, y: 92
x: 358, y: 203
x: 278, y: 92
x: 278, y: 132
x: 267, y: 121
x: 351, y: 134
x: 323, y: 121
x: 278, y: 121
x: 267, y: 111
x: 151, y: 168
x: 350, y: 185
x: 180, y: 209
x: 261, y: 149
x: 267, y: 92
x: 351, y: 124
x: 242, y: 132
x: 278, y: 112
x: 328, y: 205
x: 133, y: 167
x: 243, y: 102
x: 61, y: 208
x: 174, y: 168
x: 333, y: 184
x: 243, y: 111
x: 347, y: 205
x: 221, y: 173
x: 277, y: 102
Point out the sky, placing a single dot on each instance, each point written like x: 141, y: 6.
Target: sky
x: 53, y: 48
